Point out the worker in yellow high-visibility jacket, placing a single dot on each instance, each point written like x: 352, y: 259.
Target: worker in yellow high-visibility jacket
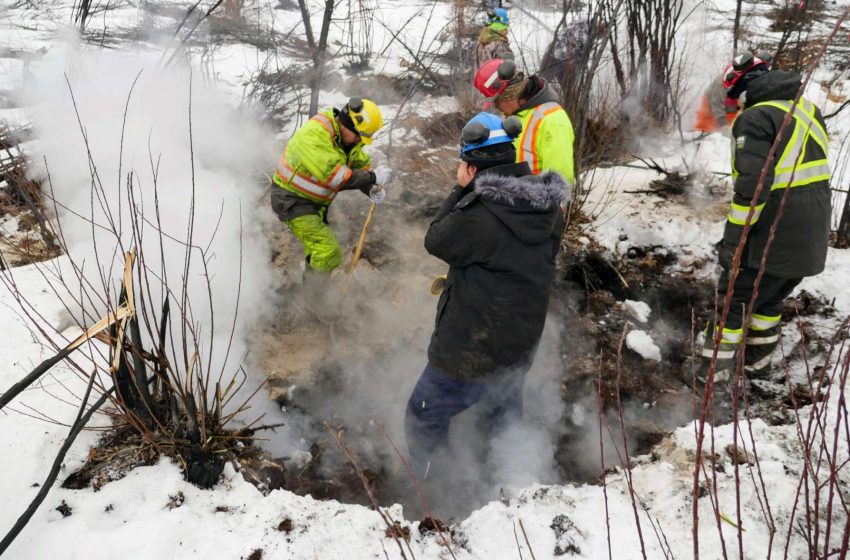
x: 546, y: 142
x: 325, y: 156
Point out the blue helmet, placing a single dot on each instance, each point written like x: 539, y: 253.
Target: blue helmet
x: 498, y: 15
x: 486, y: 129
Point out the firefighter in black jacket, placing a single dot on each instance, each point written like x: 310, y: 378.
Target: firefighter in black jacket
x: 499, y: 230
x: 795, y: 194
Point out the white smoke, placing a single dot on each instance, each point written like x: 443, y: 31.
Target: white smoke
x: 105, y: 120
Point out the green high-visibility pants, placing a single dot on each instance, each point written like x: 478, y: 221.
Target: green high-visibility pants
x: 320, y: 244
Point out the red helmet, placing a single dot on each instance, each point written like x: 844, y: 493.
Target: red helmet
x: 494, y: 76
x: 741, y: 65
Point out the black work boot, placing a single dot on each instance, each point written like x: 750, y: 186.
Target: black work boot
x: 726, y: 354
x: 759, y: 350
x: 722, y: 373
x: 722, y: 389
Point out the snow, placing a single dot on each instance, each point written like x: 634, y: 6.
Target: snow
x: 638, y: 310
x: 641, y: 342
x: 131, y: 518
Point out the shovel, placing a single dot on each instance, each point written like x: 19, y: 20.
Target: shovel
x: 358, y: 249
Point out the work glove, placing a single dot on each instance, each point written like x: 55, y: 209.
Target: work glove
x: 377, y: 194
x: 383, y: 175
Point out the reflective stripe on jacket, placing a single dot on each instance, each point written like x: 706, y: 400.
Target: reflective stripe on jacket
x: 797, y: 180
x: 314, y: 165
x: 793, y: 168
x: 546, y: 142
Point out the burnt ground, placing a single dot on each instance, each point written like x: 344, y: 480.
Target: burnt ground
x: 589, y: 288
x: 590, y: 285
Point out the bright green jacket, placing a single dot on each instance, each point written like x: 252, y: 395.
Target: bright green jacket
x: 314, y: 165
x: 546, y: 142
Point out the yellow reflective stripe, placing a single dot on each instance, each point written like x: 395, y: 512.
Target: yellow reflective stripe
x: 806, y: 174
x: 738, y: 214
x: 731, y: 336
x: 721, y: 354
x: 809, y: 109
x: 764, y: 322
x: 759, y: 365
x: 529, y: 135
x: 804, y: 118
x: 790, y: 171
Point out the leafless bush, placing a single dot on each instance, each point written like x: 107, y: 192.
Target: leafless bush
x: 423, y: 61
x: 572, y: 60
x: 233, y: 8
x: 21, y: 197
x: 796, y: 21
x: 318, y: 49
x: 279, y: 94
x: 645, y: 60
x: 359, y: 35
x: 149, y: 354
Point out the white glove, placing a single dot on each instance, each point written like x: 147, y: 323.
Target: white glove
x: 377, y: 194
x: 383, y: 175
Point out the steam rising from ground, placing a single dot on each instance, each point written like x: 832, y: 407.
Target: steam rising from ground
x: 175, y: 140
x: 373, y: 357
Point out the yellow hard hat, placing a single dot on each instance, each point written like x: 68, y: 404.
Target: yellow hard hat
x: 366, y: 117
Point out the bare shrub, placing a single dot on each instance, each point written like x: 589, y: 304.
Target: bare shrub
x: 359, y: 35
x: 645, y: 60
x: 796, y: 21
x: 21, y: 198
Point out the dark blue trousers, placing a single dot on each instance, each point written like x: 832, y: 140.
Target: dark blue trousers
x: 437, y: 398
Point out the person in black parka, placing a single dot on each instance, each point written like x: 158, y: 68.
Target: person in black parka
x: 499, y: 231
x: 795, y: 195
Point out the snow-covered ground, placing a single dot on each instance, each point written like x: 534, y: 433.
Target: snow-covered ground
x: 154, y: 513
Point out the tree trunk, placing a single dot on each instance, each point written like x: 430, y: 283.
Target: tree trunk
x: 736, y: 27
x: 319, y: 54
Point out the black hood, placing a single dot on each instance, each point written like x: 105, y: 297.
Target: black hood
x: 781, y: 85
x: 540, y: 92
x: 528, y: 205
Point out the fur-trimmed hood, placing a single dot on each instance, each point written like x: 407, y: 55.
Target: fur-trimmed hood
x: 530, y: 205
x: 542, y: 192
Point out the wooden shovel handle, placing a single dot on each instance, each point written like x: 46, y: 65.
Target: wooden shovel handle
x: 360, y: 242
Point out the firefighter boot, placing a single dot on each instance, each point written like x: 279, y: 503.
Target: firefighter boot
x: 759, y: 350
x: 725, y: 367
x: 722, y: 373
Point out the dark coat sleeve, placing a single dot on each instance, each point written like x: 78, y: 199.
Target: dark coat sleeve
x: 752, y: 137
x: 361, y: 180
x: 459, y: 233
